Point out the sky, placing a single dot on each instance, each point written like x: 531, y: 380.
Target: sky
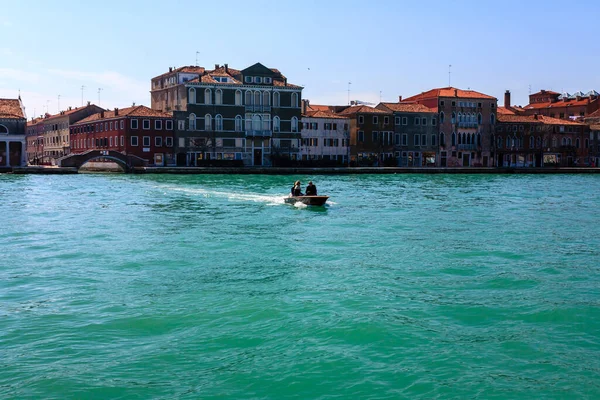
x: 385, y: 49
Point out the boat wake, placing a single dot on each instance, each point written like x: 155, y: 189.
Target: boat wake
x: 232, y: 196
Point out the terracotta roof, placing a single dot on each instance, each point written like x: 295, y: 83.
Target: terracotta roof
x: 595, y: 127
x: 512, y: 118
x: 504, y: 111
x: 544, y: 92
x: 67, y: 112
x: 318, y: 107
x: 11, y: 109
x: 282, y: 84
x: 594, y: 114
x: 558, y: 104
x: 135, y: 111
x: 450, y: 92
x: 556, y: 121
x: 323, y: 114
x: 186, y: 69
x: 407, y: 107
x: 363, y: 110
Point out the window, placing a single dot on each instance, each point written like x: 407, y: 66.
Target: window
x: 111, y: 126
x: 433, y: 121
x: 122, y: 140
x: 257, y: 98
x: 276, y: 99
x: 158, y: 125
x: 146, y: 124
x: 257, y: 79
x: 169, y: 141
x: 375, y: 137
x: 207, y: 122
x: 397, y: 120
x: 218, y: 122
x: 375, y: 119
x: 192, y: 96
x: 361, y: 119
x: 110, y: 141
x: 134, y: 140
x: 442, y: 117
x: 218, y: 96
x: 192, y: 122
x: 169, y: 125
x: 361, y: 137
x: 397, y: 139
x: 423, y: 121
x: 238, y: 123
x: 294, y: 99
x: 248, y: 79
x: 158, y: 141
x: 386, y: 120
x: 238, y: 97
x: 453, y: 104
x: 417, y: 140
x: 266, y: 99
x: 404, y: 139
x: 442, y: 139
x: 146, y: 141
x: 248, y: 97
x: 122, y: 124
x: 417, y: 120
x: 268, y: 80
x: 433, y: 140
x: 134, y: 125
x: 294, y: 124
x: 207, y: 96
x: 423, y: 140
x: 106, y: 126
x: 492, y: 118
x: 453, y: 138
x: 531, y: 142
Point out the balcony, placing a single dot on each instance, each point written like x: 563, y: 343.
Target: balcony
x: 468, y: 147
x: 257, y: 108
x: 468, y: 125
x: 261, y: 133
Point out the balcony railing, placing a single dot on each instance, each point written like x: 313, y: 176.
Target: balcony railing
x: 257, y: 108
x: 260, y: 133
x: 467, y: 147
x: 468, y: 124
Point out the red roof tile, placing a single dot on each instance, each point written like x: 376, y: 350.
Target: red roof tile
x: 595, y: 127
x: 362, y: 110
x: 323, y: 114
x: 541, y: 92
x: 135, y: 111
x: 407, y: 107
x: 186, y: 69
x: 556, y: 121
x: 594, y: 114
x: 558, y: 104
x: 67, y: 112
x: 504, y: 111
x: 450, y: 92
x: 11, y: 109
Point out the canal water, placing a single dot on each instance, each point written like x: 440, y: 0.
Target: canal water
x: 404, y: 286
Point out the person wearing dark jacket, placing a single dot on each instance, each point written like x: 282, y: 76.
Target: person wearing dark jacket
x: 311, y: 189
x: 297, y: 189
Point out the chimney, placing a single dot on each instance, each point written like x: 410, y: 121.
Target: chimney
x: 102, y: 114
x: 578, y: 98
x: 535, y: 116
x: 284, y: 81
x: 89, y: 103
x: 399, y: 99
x: 507, y: 99
x: 217, y: 66
x: 116, y: 111
x: 170, y: 69
x: 226, y: 68
x: 305, y: 105
x: 69, y: 108
x: 455, y: 92
x: 542, y: 91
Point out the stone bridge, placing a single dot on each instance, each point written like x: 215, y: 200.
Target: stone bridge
x: 77, y: 160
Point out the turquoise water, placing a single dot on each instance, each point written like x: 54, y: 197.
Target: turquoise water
x: 405, y: 286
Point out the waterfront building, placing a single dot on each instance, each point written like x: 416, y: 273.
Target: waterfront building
x: 415, y: 134
x: 563, y: 105
x: 34, y: 138
x: 325, y: 135
x: 56, y: 130
x: 593, y: 121
x: 371, y: 136
x: 537, y: 140
x: 12, y: 133
x: 168, y: 91
x: 135, y: 130
x: 466, y: 123
x: 238, y: 117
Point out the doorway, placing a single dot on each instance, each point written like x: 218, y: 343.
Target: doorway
x: 466, y: 158
x: 257, y: 157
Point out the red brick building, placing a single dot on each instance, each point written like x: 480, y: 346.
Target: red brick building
x: 136, y: 130
x: 563, y: 106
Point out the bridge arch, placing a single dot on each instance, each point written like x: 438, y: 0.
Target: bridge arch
x: 125, y: 161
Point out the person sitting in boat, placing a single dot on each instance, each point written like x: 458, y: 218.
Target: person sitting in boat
x: 311, y: 189
x: 297, y: 189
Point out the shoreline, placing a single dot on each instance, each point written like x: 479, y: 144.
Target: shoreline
x: 304, y: 171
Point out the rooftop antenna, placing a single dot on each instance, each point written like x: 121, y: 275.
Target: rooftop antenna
x: 58, y: 103
x: 99, y: 90
x: 449, y: 75
x: 48, y: 106
x: 349, y: 83
x: 529, y: 89
x: 380, y: 96
x: 197, y: 58
x: 82, y: 87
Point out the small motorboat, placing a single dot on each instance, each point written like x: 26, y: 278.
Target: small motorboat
x: 308, y: 200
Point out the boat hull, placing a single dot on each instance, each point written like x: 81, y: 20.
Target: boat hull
x: 308, y: 200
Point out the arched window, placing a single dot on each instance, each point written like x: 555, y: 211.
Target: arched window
x: 442, y: 138
x: 433, y: 139
x: 192, y: 96
x: 554, y: 141
x: 192, y: 123
x: 531, y: 142
x: 479, y: 119
x: 453, y: 138
x: 460, y: 137
x: 257, y: 98
x: 460, y: 119
x: 276, y: 124
x: 507, y: 142
x: 538, y: 142
x: 266, y: 125
x: 256, y: 122
x: 294, y: 124
x: 248, y: 97
x: 441, y: 118
x: 276, y: 99
x: 218, y: 122
x: 569, y: 142
x: 492, y: 118
x: 453, y: 117
x: 577, y: 143
x: 587, y: 143
x: 248, y: 122
x: 238, y: 120
x: 207, y: 96
x: 266, y: 99
x: 218, y: 96
x: 499, y: 142
x: 294, y: 99
x: 207, y: 122
x: 238, y: 97
x: 479, y: 139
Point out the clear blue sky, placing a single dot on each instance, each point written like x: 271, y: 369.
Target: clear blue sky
x: 385, y: 48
